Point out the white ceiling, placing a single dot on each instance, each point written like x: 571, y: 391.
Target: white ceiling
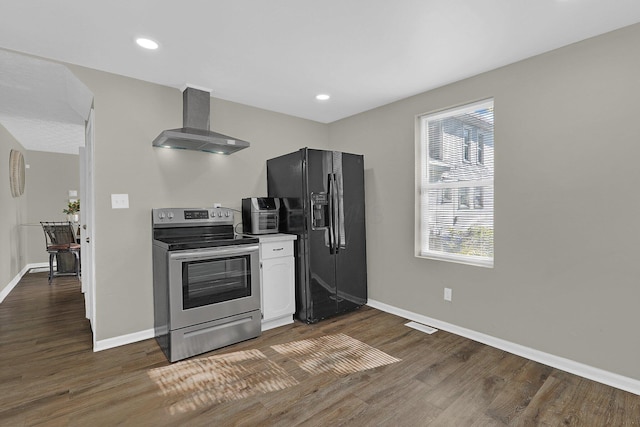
x: 42, y: 104
x: 279, y: 54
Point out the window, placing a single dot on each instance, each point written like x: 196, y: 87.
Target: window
x: 478, y: 198
x: 463, y: 198
x: 446, y: 195
x: 463, y: 231
x: 466, y: 148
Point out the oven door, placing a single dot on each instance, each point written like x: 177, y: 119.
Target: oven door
x: 212, y: 283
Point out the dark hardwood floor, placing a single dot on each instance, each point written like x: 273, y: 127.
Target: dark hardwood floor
x: 50, y: 376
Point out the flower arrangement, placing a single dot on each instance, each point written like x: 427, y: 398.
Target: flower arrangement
x: 72, y: 208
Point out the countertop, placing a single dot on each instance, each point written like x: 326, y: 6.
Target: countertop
x: 275, y: 237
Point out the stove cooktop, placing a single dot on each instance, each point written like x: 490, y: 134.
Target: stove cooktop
x: 201, y: 242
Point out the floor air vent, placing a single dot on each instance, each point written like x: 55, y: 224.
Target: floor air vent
x: 422, y: 328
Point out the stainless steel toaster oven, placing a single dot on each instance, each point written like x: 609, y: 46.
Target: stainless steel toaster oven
x: 260, y: 215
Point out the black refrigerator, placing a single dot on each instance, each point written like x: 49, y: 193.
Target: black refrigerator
x: 322, y: 202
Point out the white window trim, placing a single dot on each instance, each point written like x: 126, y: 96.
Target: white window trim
x: 419, y: 150
x: 459, y: 259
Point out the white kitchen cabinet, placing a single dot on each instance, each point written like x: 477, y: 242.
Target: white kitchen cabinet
x: 277, y: 281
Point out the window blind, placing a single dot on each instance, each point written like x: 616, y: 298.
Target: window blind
x: 456, y: 184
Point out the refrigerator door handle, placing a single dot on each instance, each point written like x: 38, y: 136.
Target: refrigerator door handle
x: 341, y: 232
x: 332, y: 241
x: 336, y: 214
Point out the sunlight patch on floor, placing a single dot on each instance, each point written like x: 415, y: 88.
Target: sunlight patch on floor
x: 339, y: 353
x: 198, y: 383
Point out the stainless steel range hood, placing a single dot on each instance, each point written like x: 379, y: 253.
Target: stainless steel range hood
x: 195, y: 133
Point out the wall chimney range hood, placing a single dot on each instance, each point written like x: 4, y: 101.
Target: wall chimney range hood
x: 195, y: 133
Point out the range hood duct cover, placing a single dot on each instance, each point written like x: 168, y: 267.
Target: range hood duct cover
x: 195, y: 133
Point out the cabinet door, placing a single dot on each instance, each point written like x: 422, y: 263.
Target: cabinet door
x: 278, y: 297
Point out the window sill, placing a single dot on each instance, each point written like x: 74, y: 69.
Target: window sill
x: 459, y: 259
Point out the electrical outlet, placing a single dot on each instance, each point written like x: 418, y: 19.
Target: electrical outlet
x: 447, y: 294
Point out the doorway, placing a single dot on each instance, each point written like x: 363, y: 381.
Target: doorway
x: 45, y: 120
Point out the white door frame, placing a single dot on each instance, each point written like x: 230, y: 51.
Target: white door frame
x: 87, y: 231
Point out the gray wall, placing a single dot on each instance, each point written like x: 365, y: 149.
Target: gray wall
x: 13, y: 213
x: 566, y: 275
x: 129, y: 114
x: 50, y: 177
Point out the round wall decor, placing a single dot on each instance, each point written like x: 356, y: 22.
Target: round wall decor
x: 16, y: 173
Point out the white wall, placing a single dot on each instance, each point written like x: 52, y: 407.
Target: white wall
x: 566, y: 270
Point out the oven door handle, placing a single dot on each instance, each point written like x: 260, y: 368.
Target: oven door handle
x: 198, y: 254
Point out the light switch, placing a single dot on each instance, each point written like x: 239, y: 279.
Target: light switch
x: 119, y: 201
x: 73, y: 193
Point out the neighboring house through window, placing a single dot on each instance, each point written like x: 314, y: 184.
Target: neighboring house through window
x: 435, y: 143
x: 456, y: 163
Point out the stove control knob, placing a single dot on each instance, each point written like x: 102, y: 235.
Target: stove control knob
x: 170, y: 215
x: 161, y: 215
x: 220, y: 214
x: 226, y: 213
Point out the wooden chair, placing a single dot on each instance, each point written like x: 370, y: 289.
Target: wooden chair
x: 60, y: 239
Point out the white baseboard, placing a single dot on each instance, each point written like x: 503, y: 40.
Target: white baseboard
x: 123, y: 340
x: 599, y: 375
x: 43, y: 269
x: 13, y: 283
x: 38, y: 267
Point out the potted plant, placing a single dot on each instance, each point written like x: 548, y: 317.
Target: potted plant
x: 72, y: 210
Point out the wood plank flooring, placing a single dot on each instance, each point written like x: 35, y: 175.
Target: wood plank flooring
x: 50, y: 376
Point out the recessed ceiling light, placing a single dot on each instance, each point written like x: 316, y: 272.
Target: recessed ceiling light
x: 147, y: 43
x: 322, y: 97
